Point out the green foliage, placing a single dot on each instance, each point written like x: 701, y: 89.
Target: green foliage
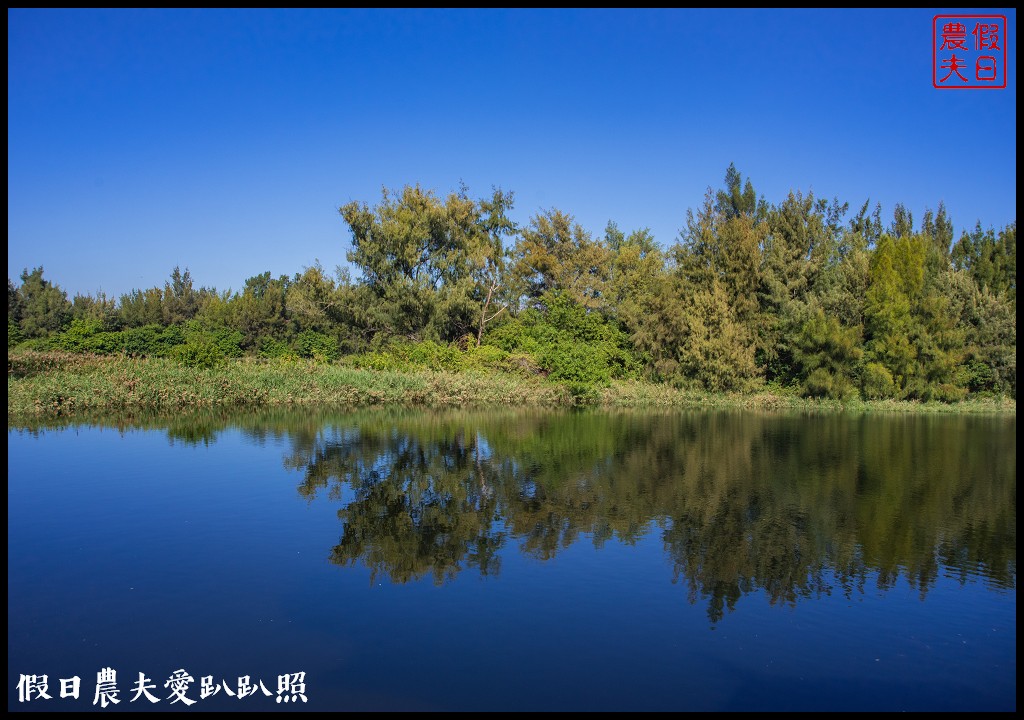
x: 228, y: 341
x: 992, y: 345
x: 991, y: 260
x: 637, y: 266
x: 200, y: 352
x: 432, y: 267
x: 271, y: 348
x: 574, y: 363
x: 789, y: 295
x: 718, y: 351
x: 152, y: 340
x: 827, y: 356
x: 79, y: 336
x: 320, y: 347
x: 140, y: 308
x: 556, y: 255
x: 261, y: 310
x: 484, y: 357
x: 399, y: 355
x: 824, y: 384
x: 914, y: 320
x: 434, y: 356
x: 14, y: 335
x: 902, y: 222
x: 877, y: 382
x: 569, y: 343
x: 98, y: 308
x: 43, y: 307
x: 181, y: 302
x: 518, y: 334
x: 735, y: 201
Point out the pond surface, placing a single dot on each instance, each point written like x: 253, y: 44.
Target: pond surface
x: 516, y: 561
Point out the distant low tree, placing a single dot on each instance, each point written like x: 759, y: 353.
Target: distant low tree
x: 140, y: 308
x: 98, y: 308
x: 44, y: 307
x: 181, y: 301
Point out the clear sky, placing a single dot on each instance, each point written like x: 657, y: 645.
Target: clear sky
x: 226, y: 140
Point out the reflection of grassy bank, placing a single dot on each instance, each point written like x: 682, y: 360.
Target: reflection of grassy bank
x: 60, y: 384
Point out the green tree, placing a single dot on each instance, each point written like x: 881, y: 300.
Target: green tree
x: 939, y: 229
x: 738, y: 199
x: 416, y: 256
x: 902, y: 222
x: 991, y: 260
x: 15, y: 304
x: 717, y: 351
x: 803, y: 238
x: 312, y: 300
x: 97, y: 308
x: 181, y: 300
x: 867, y: 226
x: 613, y: 237
x: 555, y: 253
x: 636, y: 269
x: 490, y: 258
x: 826, y: 355
x: 44, y: 307
x: 912, y: 324
x: 140, y: 308
x: 261, y: 309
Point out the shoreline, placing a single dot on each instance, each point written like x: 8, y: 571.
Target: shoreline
x: 47, y: 385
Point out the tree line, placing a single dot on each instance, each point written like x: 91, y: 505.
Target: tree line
x: 803, y: 294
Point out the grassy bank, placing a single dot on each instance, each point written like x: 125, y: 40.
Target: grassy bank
x: 54, y: 384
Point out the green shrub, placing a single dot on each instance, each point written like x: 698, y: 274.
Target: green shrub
x: 271, y: 348
x: 433, y: 356
x: 569, y: 342
x: 823, y: 384
x: 320, y: 347
x: 151, y: 340
x: 106, y: 343
x: 485, y: 357
x: 877, y: 382
x: 229, y: 342
x: 36, y: 344
x: 575, y: 363
x: 200, y: 352
x: 76, y: 337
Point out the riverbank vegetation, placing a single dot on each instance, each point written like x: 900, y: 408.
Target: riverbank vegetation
x: 453, y: 303
x: 42, y: 385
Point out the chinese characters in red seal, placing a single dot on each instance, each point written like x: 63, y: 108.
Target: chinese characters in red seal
x: 969, y: 51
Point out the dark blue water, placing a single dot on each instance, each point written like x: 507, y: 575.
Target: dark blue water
x: 594, y: 561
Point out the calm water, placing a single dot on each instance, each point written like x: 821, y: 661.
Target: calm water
x: 596, y: 561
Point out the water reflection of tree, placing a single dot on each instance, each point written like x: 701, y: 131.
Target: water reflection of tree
x: 785, y: 505
x: 790, y: 506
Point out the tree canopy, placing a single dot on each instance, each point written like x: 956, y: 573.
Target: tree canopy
x: 800, y: 294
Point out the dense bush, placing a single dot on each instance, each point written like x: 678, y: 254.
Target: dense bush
x: 200, y: 352
x: 877, y: 382
x: 570, y: 343
x: 320, y: 347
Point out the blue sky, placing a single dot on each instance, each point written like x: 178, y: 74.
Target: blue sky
x: 226, y: 140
